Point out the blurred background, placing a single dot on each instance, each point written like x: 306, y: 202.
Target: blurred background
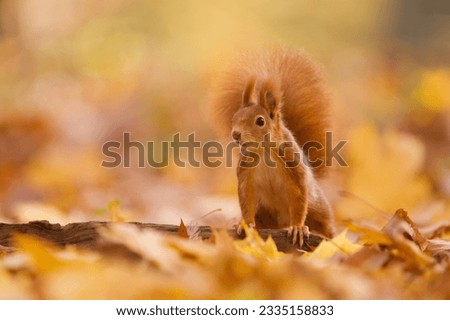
x: 76, y: 74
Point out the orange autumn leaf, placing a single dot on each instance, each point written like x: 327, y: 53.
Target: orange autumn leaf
x: 182, y: 230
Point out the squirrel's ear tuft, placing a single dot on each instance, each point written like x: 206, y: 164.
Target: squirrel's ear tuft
x: 248, y: 95
x: 269, y: 98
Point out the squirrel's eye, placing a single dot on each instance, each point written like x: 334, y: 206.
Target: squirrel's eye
x: 260, y: 121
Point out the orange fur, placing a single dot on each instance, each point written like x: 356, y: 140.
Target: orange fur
x: 299, y: 81
x: 278, y: 94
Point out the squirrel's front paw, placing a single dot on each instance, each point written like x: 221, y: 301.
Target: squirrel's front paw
x: 240, y: 227
x: 298, y: 233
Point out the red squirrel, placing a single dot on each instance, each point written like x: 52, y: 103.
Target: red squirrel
x: 274, y: 105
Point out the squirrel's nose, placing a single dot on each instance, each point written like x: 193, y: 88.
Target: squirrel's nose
x: 236, y: 135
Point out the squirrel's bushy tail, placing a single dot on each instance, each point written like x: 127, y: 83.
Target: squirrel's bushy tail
x: 305, y: 104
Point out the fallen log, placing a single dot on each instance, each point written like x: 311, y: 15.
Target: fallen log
x: 86, y: 235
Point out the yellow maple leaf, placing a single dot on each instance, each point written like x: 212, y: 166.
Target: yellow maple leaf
x: 339, y: 244
x: 256, y: 246
x: 369, y: 235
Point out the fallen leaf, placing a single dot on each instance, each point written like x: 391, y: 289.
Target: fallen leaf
x: 42, y: 253
x: 439, y: 248
x: 400, y: 224
x: 182, y: 231
x: 254, y: 245
x: 339, y: 244
x: 369, y: 235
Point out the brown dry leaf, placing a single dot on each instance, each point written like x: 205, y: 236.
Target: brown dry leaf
x: 400, y: 224
x: 439, y: 248
x: 182, y: 230
x: 411, y: 252
x: 437, y: 230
